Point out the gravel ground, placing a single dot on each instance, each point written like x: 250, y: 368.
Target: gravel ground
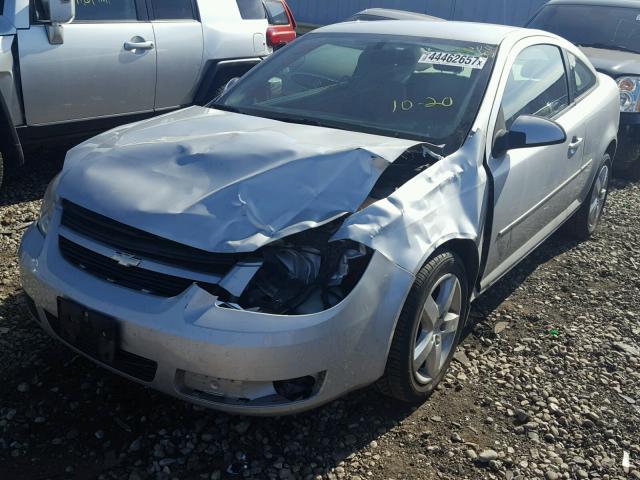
x: 545, y: 385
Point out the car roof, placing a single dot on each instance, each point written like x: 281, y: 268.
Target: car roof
x: 392, y: 14
x: 464, y: 31
x: 605, y: 3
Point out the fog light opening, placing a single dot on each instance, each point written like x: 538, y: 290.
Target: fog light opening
x: 295, y: 388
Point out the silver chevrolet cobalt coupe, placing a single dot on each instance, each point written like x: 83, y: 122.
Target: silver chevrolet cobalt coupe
x: 325, y: 223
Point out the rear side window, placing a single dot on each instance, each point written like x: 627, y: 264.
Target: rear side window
x: 173, y: 9
x: 582, y: 77
x: 277, y: 13
x: 537, y: 84
x: 251, y: 9
x: 100, y: 10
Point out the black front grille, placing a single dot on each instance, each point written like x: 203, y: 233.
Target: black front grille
x: 139, y: 243
x: 130, y: 277
x: 126, y: 362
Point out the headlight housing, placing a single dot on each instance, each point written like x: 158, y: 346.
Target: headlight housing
x: 305, y: 273
x: 629, y: 94
x: 48, y: 206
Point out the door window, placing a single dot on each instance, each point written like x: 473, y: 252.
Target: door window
x: 101, y: 10
x: 251, y: 9
x: 277, y: 13
x: 581, y: 76
x: 173, y: 10
x: 537, y: 84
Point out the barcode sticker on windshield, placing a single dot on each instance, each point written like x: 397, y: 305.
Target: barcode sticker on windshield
x: 453, y: 59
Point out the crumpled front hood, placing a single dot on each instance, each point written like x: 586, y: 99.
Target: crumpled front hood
x: 613, y: 62
x: 225, y: 182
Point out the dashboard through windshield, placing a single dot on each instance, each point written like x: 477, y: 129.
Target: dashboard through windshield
x: 407, y: 87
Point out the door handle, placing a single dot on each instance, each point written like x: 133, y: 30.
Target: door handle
x: 575, y: 145
x: 133, y: 46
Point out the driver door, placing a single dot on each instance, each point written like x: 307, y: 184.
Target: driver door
x: 105, y: 67
x: 532, y: 191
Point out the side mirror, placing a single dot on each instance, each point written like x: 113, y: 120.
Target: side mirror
x: 60, y: 12
x: 527, y: 132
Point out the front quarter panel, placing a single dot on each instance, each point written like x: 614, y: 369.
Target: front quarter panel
x: 446, y: 201
x: 8, y: 80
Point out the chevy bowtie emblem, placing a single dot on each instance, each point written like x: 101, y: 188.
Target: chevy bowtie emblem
x: 126, y: 260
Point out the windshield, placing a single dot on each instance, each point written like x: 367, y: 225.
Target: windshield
x: 593, y: 25
x: 407, y: 87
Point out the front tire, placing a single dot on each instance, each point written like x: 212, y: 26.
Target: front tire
x: 586, y: 220
x: 428, y: 330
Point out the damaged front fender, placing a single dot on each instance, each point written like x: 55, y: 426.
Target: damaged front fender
x: 444, y: 202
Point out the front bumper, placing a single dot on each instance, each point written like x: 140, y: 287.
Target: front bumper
x: 195, y: 342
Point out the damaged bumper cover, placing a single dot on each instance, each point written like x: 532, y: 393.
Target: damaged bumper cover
x: 232, y: 360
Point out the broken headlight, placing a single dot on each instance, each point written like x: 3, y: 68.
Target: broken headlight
x: 305, y: 273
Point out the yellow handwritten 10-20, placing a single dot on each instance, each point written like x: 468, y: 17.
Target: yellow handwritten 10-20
x: 430, y: 102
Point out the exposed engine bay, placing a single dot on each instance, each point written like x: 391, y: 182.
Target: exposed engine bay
x: 307, y: 273
x: 302, y: 274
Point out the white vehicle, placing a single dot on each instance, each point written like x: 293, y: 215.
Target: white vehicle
x: 71, y: 69
x: 327, y: 221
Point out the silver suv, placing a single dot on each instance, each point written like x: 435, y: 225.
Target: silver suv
x: 74, y: 68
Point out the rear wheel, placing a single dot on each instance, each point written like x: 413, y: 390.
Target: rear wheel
x: 428, y: 330
x: 587, y: 219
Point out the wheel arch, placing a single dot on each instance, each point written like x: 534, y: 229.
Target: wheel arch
x: 10, y: 146
x: 464, y: 246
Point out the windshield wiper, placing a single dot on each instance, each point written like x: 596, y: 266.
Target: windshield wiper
x: 620, y: 48
x: 293, y: 119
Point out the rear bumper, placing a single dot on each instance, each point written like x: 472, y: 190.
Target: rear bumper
x: 195, y: 343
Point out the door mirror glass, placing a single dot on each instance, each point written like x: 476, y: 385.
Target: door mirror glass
x: 60, y: 11
x: 527, y: 132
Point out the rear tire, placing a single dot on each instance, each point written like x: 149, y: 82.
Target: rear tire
x: 586, y: 220
x: 428, y: 330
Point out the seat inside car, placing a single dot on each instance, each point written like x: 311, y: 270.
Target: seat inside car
x: 381, y: 77
x: 443, y: 87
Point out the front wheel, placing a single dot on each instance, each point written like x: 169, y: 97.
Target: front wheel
x: 428, y: 330
x: 587, y: 219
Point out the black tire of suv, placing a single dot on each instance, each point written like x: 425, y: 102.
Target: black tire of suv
x: 399, y: 380
x: 578, y: 226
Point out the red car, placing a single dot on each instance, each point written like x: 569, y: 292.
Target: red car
x: 282, y: 25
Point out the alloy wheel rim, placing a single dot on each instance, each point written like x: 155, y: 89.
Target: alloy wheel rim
x: 436, y: 331
x: 598, y: 197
